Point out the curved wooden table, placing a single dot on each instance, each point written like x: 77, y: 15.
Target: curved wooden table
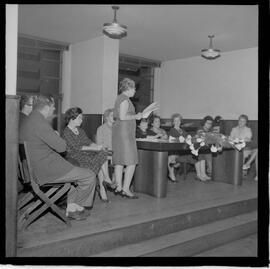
x: 151, y: 173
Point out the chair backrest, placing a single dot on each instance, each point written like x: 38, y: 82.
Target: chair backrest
x: 22, y: 165
x: 32, y: 177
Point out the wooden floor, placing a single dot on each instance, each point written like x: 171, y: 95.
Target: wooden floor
x: 181, y: 198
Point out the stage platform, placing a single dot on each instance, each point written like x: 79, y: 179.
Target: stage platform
x: 194, y: 217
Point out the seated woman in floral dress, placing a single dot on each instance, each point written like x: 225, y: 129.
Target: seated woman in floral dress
x: 84, y: 151
x: 174, y: 158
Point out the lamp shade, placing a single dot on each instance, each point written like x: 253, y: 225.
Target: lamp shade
x: 210, y: 53
x: 114, y: 30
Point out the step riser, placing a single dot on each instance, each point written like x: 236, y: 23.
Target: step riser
x: 204, y: 243
x: 92, y: 244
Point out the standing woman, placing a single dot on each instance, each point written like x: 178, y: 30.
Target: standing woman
x: 123, y: 138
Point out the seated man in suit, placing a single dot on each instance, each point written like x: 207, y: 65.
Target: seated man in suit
x: 49, y: 167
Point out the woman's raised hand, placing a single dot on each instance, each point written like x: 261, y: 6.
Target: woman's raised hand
x: 138, y: 116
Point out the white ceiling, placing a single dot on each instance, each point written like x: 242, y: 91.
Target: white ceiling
x: 159, y: 32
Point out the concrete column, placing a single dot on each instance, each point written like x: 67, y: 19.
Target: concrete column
x: 94, y: 74
x: 110, y: 72
x: 12, y: 111
x: 11, y: 48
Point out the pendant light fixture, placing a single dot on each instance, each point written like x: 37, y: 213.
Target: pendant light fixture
x: 115, y: 30
x: 210, y: 53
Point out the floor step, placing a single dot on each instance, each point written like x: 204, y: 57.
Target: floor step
x: 191, y: 241
x: 94, y: 242
x: 244, y: 247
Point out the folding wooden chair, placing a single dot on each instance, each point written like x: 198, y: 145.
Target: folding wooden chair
x: 45, y: 196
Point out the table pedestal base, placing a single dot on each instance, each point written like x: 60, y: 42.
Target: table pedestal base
x: 151, y: 173
x: 227, y: 166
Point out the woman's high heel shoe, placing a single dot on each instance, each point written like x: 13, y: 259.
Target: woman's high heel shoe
x: 109, y: 186
x: 124, y: 194
x: 105, y: 200
x: 117, y: 192
x: 200, y: 178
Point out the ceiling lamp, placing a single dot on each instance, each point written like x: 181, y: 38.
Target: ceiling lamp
x: 115, y: 30
x: 210, y: 53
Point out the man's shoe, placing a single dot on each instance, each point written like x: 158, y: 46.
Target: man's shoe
x: 86, y: 213
x: 76, y: 215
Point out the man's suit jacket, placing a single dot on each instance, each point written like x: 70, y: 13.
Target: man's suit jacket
x: 44, y: 145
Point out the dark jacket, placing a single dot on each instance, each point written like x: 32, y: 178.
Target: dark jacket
x: 44, y: 146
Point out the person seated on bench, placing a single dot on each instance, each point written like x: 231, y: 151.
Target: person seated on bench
x: 204, y: 159
x: 174, y: 159
x: 26, y: 107
x: 104, y: 138
x: 243, y: 132
x: 142, y: 130
x: 155, y: 129
x: 104, y: 131
x: 49, y: 166
x: 82, y: 149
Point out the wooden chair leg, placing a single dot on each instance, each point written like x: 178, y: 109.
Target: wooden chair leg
x: 30, y: 218
x: 30, y: 215
x: 38, y: 202
x: 185, y: 170
x: 25, y: 200
x: 51, y: 202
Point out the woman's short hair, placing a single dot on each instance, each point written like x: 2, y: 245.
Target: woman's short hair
x: 43, y: 100
x: 205, y: 119
x: 217, y: 119
x: 154, y: 117
x: 243, y: 116
x: 24, y: 100
x: 72, y: 114
x: 176, y: 115
x: 107, y: 113
x: 125, y: 84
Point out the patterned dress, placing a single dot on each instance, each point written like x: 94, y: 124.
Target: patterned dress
x: 123, y: 135
x: 87, y: 159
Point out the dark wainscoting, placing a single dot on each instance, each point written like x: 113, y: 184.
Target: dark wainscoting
x: 12, y: 120
x: 227, y: 124
x: 90, y: 124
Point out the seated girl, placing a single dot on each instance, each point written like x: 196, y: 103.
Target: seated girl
x: 143, y: 132
x: 155, y: 129
x: 243, y: 132
x: 84, y: 151
x: 174, y: 158
x: 204, y: 158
